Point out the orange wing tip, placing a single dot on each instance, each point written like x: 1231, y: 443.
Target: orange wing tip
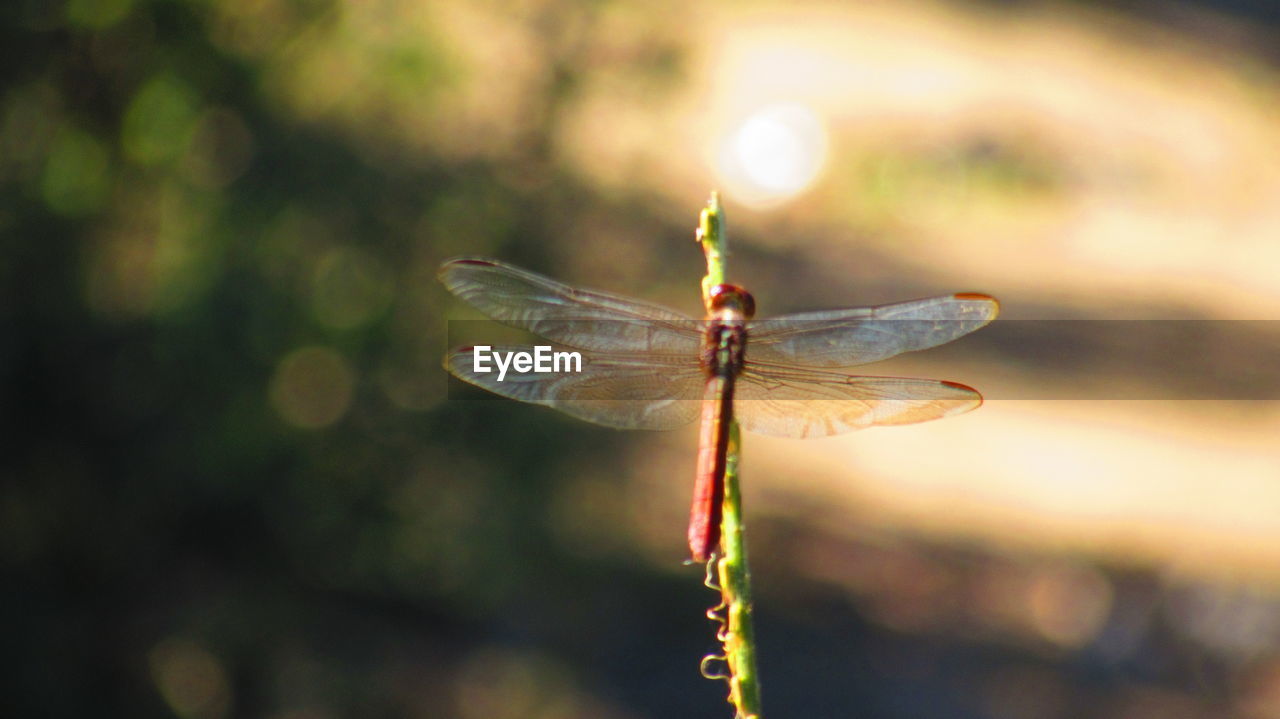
x: 448, y: 265
x: 979, y: 297
x: 977, y: 396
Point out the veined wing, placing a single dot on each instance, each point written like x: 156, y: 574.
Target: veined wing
x: 816, y: 403
x: 583, y: 319
x: 621, y: 391
x: 860, y: 335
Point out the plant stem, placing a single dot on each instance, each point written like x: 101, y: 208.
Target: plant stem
x: 734, y: 574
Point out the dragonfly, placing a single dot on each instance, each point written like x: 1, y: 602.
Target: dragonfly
x: 650, y: 367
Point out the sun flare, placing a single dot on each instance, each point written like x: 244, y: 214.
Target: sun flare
x: 774, y: 154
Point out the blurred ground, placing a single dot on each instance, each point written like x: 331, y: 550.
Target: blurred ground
x: 234, y: 485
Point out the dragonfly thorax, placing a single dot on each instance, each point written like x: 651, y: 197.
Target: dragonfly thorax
x: 724, y: 347
x: 725, y: 342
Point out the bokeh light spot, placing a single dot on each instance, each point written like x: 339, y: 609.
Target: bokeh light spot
x: 1068, y: 605
x: 775, y: 154
x: 75, y: 179
x: 97, y: 13
x: 159, y: 121
x: 350, y: 287
x: 220, y: 150
x: 191, y: 680
x: 496, y: 683
x: 121, y: 279
x: 312, y: 387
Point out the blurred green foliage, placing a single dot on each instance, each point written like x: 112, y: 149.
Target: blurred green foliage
x: 233, y: 487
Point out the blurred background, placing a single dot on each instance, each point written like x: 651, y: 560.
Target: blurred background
x: 233, y: 484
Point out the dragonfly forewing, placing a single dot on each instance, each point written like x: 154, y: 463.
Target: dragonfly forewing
x: 850, y: 337
x: 583, y: 319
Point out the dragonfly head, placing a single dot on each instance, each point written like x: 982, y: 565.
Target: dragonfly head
x: 732, y: 297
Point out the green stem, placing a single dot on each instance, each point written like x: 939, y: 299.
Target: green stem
x: 714, y: 243
x: 735, y: 576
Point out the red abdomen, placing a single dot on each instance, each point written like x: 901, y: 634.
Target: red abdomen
x: 708, y: 487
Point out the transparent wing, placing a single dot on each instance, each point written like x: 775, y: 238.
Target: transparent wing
x: 613, y: 390
x: 860, y: 335
x: 584, y: 319
x: 815, y: 403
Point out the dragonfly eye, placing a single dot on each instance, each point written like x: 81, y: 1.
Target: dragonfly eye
x: 723, y: 296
